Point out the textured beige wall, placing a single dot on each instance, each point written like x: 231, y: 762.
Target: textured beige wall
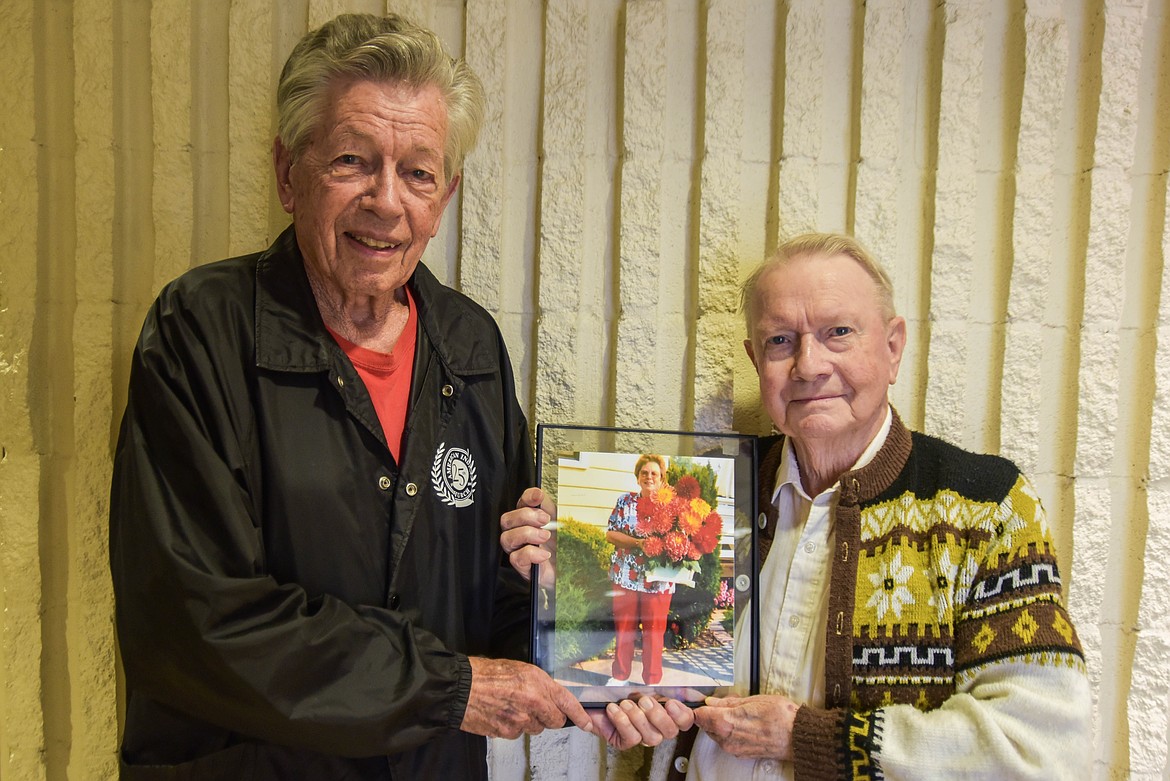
x: 1008, y: 161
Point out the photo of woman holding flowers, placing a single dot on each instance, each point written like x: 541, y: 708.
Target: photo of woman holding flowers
x: 658, y: 533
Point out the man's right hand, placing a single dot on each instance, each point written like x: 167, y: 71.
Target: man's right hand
x: 509, y: 699
x: 524, y: 537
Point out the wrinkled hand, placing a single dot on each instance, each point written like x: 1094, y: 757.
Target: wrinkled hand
x: 509, y: 699
x: 524, y: 537
x: 756, y: 727
x: 646, y: 721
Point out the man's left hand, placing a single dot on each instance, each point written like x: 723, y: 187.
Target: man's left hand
x: 755, y: 727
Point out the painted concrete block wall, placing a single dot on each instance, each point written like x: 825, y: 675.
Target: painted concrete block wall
x: 1007, y: 161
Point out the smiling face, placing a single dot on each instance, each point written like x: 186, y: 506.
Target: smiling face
x: 824, y: 353
x: 650, y: 477
x: 369, y: 189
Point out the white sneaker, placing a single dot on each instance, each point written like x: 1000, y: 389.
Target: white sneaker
x: 616, y: 682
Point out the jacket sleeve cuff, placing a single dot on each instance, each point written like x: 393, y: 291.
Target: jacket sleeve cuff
x: 462, y: 692
x: 818, y: 743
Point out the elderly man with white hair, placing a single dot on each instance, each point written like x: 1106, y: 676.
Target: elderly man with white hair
x: 318, y: 443
x: 911, y: 620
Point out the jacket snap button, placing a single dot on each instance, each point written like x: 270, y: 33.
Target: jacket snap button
x: 411, y: 489
x: 681, y: 764
x: 448, y: 390
x: 340, y: 382
x: 384, y: 483
x: 762, y: 521
x: 395, y: 601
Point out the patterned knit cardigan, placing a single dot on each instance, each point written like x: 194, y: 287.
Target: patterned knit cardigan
x: 943, y: 576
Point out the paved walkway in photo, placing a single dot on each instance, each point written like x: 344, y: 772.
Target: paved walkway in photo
x: 707, y: 662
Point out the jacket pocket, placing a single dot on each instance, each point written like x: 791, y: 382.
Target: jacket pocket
x: 237, y: 763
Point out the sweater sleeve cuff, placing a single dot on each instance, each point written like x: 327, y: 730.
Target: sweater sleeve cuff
x: 818, y: 743
x: 462, y: 692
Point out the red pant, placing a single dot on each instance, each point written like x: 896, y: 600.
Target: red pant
x: 630, y: 607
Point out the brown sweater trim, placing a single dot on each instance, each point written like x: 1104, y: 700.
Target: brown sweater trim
x: 879, y: 474
x: 816, y: 744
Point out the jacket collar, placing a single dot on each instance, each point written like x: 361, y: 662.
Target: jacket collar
x: 291, y: 336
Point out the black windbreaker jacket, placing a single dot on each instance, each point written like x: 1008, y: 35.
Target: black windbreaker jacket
x: 291, y: 603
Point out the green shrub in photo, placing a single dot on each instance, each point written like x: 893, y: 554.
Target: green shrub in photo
x: 584, y: 605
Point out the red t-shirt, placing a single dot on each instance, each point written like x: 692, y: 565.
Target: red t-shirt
x: 387, y: 377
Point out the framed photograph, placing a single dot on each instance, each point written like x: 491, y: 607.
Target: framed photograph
x: 654, y: 563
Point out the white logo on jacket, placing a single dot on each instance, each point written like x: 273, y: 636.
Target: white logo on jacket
x: 453, y: 476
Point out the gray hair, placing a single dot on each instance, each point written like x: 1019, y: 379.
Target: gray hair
x: 377, y: 48
x: 825, y: 245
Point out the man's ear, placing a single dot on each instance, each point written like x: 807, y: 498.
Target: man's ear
x: 282, y: 164
x: 751, y: 353
x: 896, y: 344
x: 446, y: 199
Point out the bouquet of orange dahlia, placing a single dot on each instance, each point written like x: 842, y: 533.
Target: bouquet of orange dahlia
x: 677, y: 527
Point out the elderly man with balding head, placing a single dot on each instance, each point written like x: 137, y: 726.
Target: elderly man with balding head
x: 911, y: 620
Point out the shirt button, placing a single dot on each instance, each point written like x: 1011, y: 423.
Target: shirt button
x: 411, y: 489
x: 810, y: 547
x: 448, y: 390
x: 681, y: 764
x: 384, y: 483
x: 794, y: 621
x: 762, y: 521
x: 768, y: 766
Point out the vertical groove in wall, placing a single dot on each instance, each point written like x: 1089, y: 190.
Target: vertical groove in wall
x: 445, y: 251
x: 720, y: 209
x: 90, y: 597
x: 1025, y: 346
x: 858, y: 13
x: 922, y: 203
x: 290, y: 20
x: 956, y: 219
x: 51, y: 363
x: 804, y: 107
x: 1037, y: 343
x: 1066, y: 303
x: 251, y: 125
x: 210, y: 164
x: 170, y: 89
x: 1149, y: 719
x: 22, y: 734
x: 989, y: 305
x: 773, y: 226
x: 1101, y: 491
x: 878, y: 218
x: 522, y: 92
x: 1144, y: 370
x: 755, y: 73
x: 481, y: 261
x: 643, y: 393
x: 133, y: 227
x: 561, y: 347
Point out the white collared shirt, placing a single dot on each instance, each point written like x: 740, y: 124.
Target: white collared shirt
x: 795, y: 593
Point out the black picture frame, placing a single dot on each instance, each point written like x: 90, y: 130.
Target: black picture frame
x: 585, y: 470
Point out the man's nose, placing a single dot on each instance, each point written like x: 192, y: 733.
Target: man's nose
x: 811, y: 358
x: 383, y: 195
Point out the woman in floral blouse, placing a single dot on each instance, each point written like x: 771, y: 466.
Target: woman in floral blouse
x: 634, y: 599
